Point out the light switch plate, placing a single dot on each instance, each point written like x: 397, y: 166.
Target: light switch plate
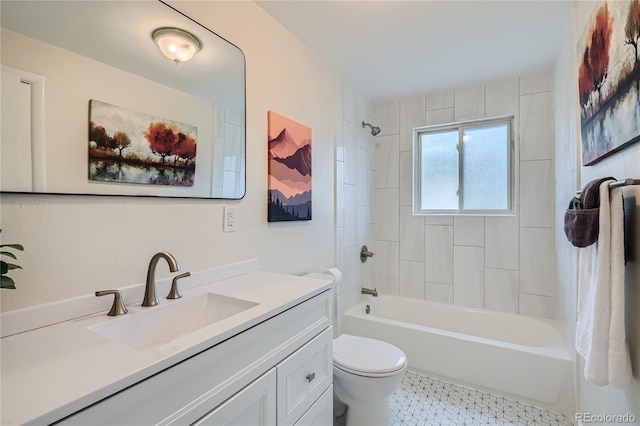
x: 230, y: 219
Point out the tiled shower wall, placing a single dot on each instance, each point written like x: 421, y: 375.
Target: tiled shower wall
x: 498, y: 263
x: 355, y: 192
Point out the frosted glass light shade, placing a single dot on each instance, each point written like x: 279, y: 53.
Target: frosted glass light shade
x: 176, y: 44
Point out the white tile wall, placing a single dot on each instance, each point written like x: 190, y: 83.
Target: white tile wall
x: 387, y: 211
x: 387, y: 267
x: 387, y: 154
x: 406, y: 178
x: 501, y: 263
x: 436, y: 292
x: 355, y: 198
x: 468, y: 231
x: 502, y: 242
x: 502, y: 97
x: 537, y: 306
x: 438, y: 254
x: 411, y: 235
x: 468, y: 279
x: 501, y: 290
x: 536, y: 193
x: 388, y: 117
x: 469, y: 102
x: 411, y: 115
x: 411, y: 275
x: 537, y: 275
x: 440, y: 99
x: 439, y: 116
x: 362, y: 176
x: 536, y: 127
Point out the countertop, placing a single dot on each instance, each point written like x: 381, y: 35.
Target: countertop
x: 51, y: 372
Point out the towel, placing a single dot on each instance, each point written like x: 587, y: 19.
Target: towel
x: 620, y: 374
x: 600, y: 332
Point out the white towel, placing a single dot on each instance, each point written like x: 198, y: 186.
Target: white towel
x: 620, y: 373
x: 600, y: 332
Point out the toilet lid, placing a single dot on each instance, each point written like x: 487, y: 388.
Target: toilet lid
x: 362, y: 355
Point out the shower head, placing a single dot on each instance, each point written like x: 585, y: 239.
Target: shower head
x: 374, y: 129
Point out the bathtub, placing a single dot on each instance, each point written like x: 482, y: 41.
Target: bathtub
x: 518, y: 357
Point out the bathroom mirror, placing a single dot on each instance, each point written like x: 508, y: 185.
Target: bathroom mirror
x: 90, y: 105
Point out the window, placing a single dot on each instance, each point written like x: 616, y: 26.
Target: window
x: 464, y: 168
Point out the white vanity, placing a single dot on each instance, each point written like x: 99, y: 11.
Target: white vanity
x: 270, y: 363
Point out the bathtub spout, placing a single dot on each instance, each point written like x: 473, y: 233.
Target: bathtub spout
x: 373, y: 292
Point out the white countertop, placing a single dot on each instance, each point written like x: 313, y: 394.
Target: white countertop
x: 51, y: 372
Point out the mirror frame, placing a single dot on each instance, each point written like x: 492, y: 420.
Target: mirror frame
x: 240, y: 192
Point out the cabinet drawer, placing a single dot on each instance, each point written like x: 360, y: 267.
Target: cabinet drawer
x: 253, y: 405
x: 304, y: 376
x: 320, y: 413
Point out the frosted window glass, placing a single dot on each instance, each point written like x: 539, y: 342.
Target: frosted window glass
x: 440, y: 175
x: 464, y: 168
x: 485, y: 170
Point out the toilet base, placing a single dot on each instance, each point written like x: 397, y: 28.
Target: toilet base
x: 364, y: 412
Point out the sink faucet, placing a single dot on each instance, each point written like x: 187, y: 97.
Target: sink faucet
x: 150, y: 298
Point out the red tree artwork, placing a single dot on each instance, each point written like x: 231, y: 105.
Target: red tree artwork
x: 609, y: 80
x: 595, y: 61
x: 632, y: 28
x: 162, y: 139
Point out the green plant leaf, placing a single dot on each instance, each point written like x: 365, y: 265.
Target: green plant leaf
x: 4, y: 267
x: 11, y: 266
x: 6, y: 282
x: 14, y: 246
x: 8, y: 254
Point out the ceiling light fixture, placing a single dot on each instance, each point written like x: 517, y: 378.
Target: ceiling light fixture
x: 176, y: 44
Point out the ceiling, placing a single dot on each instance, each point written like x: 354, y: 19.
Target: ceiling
x: 395, y: 48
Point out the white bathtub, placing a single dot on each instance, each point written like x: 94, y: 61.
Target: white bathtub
x: 515, y: 356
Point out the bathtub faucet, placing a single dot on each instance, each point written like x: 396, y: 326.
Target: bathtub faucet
x: 373, y: 292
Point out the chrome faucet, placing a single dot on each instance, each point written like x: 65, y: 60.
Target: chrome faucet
x: 150, y: 298
x: 373, y: 292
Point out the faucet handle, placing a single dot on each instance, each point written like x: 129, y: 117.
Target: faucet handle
x: 174, y: 293
x: 118, y: 307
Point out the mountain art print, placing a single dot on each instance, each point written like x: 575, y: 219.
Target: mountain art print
x: 133, y: 147
x: 609, y: 80
x: 289, y: 169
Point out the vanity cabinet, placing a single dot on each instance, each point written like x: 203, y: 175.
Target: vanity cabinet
x: 254, y: 405
x: 276, y: 372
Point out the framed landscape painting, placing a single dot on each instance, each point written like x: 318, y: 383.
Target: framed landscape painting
x: 133, y: 147
x: 289, y: 186
x: 609, y: 80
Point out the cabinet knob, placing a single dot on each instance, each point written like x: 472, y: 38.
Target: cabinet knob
x: 311, y: 376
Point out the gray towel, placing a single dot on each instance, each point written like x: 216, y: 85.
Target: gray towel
x: 581, y: 218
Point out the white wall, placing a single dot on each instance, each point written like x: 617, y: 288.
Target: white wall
x: 78, y: 244
x: 355, y: 192
x: 498, y: 263
x: 571, y: 176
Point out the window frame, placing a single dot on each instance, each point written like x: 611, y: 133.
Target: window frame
x: 461, y: 126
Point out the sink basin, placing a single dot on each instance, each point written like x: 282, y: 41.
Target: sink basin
x: 162, y: 324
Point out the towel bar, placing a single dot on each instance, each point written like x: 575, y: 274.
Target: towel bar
x: 618, y: 183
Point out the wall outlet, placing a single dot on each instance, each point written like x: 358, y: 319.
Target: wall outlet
x: 230, y: 219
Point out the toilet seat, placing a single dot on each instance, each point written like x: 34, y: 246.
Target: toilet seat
x: 367, y: 357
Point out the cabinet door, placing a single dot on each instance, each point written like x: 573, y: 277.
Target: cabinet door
x: 303, y: 377
x: 321, y: 412
x: 253, y: 405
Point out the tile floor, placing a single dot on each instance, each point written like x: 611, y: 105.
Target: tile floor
x: 422, y: 400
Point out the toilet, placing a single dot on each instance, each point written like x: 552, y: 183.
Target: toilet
x: 366, y: 372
